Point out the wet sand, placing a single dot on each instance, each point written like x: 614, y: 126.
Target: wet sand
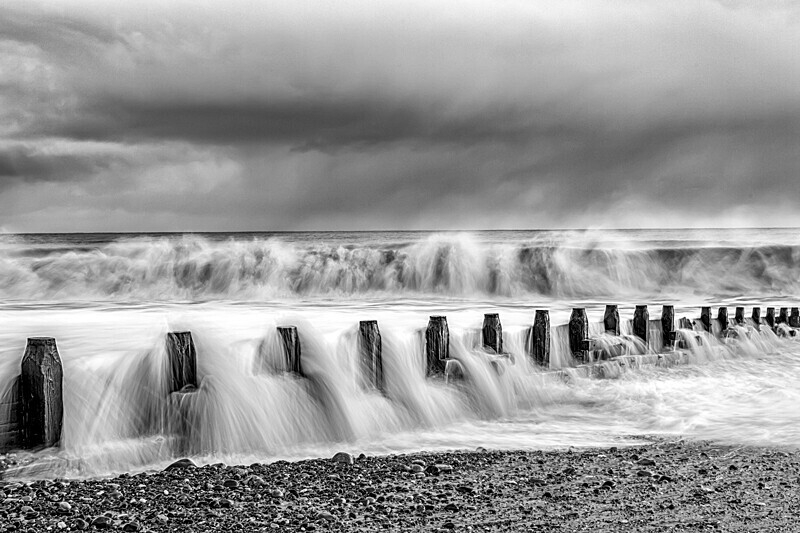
x: 665, y: 485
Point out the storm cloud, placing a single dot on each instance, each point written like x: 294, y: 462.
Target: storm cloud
x: 379, y: 115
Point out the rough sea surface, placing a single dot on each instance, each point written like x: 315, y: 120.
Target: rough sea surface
x: 109, y: 300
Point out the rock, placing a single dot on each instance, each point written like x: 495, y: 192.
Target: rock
x: 61, y: 525
x: 326, y: 515
x: 644, y: 473
x: 230, y: 483
x: 451, y: 507
x: 448, y: 525
x: 225, y: 503
x: 131, y: 526
x: 181, y: 464
x: 162, y: 518
x: 64, y: 508
x: 645, y: 462
x: 102, y: 522
x: 417, y: 468
x: 608, y: 484
x: 80, y: 524
x: 344, y: 458
x: 439, y: 469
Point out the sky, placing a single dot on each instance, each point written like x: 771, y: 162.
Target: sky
x: 358, y: 115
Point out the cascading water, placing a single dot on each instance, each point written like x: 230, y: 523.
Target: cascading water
x: 110, y: 300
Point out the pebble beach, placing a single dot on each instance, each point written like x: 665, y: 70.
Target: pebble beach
x: 661, y: 485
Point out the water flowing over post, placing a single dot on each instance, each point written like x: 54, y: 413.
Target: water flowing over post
x: 757, y: 316
x: 794, y: 317
x: 722, y: 318
x: 372, y: 352
x: 611, y: 320
x: 492, y: 332
x: 437, y: 344
x: 182, y: 360
x: 783, y: 316
x: 739, y: 316
x: 770, y: 318
x: 541, y: 338
x: 667, y: 326
x: 705, y: 318
x: 685, y: 323
x: 42, y: 403
x: 291, y: 348
x: 578, y: 332
x: 641, y: 322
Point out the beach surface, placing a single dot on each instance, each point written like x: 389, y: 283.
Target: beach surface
x: 661, y: 485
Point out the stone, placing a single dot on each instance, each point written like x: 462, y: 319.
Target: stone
x: 64, y: 508
x: 230, y: 483
x: 80, y: 524
x: 131, y: 526
x: 102, y: 522
x: 344, y: 458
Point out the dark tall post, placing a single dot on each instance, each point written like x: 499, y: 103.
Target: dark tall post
x: 705, y: 318
x: 667, y: 325
x: 41, y: 400
x: 611, y: 320
x: 578, y: 331
x: 291, y: 348
x: 182, y: 360
x: 770, y: 318
x: 685, y: 323
x: 641, y: 322
x: 372, y: 352
x: 541, y: 338
x: 794, y: 318
x: 783, y: 317
x: 739, y: 317
x: 722, y: 317
x: 437, y: 344
x: 757, y: 316
x: 492, y: 332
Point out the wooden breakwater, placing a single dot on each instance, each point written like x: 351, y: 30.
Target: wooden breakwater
x: 33, y: 406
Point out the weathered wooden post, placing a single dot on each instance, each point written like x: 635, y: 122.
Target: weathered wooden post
x: 540, y: 349
x: 578, y: 332
x: 437, y: 345
x: 641, y: 323
x: 705, y: 318
x: 182, y: 359
x: 685, y: 323
x: 794, y: 318
x: 757, y: 317
x: 739, y: 316
x: 10, y: 424
x: 770, y: 318
x: 668, y: 326
x: 722, y: 318
x: 492, y: 332
x: 783, y: 316
x: 611, y: 320
x: 41, y: 399
x: 291, y: 349
x: 372, y: 352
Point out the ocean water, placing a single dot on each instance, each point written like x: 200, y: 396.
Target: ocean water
x: 110, y: 299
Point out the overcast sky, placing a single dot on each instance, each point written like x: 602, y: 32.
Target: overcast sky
x: 203, y: 116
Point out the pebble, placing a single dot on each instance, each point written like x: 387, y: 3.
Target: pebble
x: 64, y: 508
x: 131, y: 526
x: 230, y: 483
x: 81, y: 524
x: 645, y: 462
x: 644, y: 473
x: 180, y: 464
x: 102, y: 522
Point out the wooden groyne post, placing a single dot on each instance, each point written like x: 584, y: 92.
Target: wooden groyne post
x: 705, y: 318
x: 492, y: 332
x: 579, y: 333
x: 738, y: 317
x: 611, y: 320
x: 794, y: 317
x: 783, y: 316
x: 668, y: 326
x: 291, y: 348
x: 41, y: 394
x: 641, y: 323
x: 540, y: 338
x: 722, y: 318
x: 437, y: 345
x: 757, y: 317
x: 182, y: 361
x: 371, y: 352
x: 770, y: 317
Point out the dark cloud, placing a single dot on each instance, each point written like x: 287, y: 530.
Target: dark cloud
x: 506, y: 114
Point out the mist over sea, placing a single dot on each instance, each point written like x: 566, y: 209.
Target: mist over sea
x: 109, y: 300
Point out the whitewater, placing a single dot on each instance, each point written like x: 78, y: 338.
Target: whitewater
x: 110, y: 299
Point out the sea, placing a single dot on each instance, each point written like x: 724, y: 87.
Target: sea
x: 109, y: 300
